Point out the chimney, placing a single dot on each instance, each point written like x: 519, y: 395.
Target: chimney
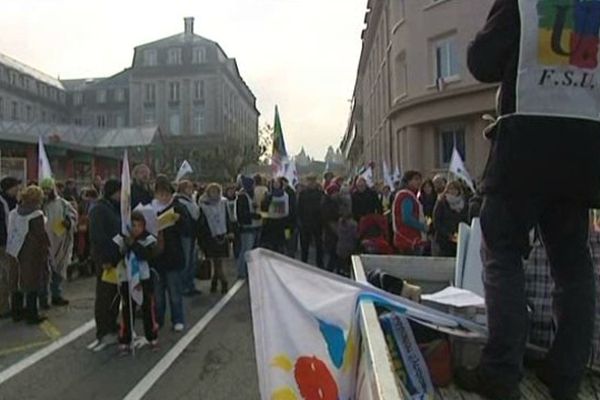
x: 189, y: 25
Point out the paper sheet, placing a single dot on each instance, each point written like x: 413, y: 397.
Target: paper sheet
x: 456, y: 297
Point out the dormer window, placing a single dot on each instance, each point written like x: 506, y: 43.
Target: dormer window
x: 174, y: 56
x: 198, y: 55
x: 150, y: 58
x: 101, y: 96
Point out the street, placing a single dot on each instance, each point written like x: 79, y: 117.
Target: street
x: 218, y: 363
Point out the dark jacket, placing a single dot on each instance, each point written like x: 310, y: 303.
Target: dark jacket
x: 189, y: 227
x: 428, y: 203
x: 445, y: 222
x: 365, y: 203
x: 33, y: 256
x: 171, y: 258
x: 12, y: 203
x: 140, y: 195
x: 105, y: 224
x: 309, y: 208
x: 245, y: 215
x: 292, y: 220
x: 531, y: 155
x: 144, y: 252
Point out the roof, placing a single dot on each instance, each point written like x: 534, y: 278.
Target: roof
x: 27, y: 70
x: 118, y: 79
x: 180, y: 38
x: 79, y: 84
x: 79, y: 137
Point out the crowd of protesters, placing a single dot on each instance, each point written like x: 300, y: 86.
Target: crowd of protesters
x: 50, y: 232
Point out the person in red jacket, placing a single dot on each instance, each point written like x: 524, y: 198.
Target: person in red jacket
x: 410, y: 228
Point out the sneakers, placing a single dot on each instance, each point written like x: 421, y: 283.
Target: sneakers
x: 105, y: 341
x: 472, y: 380
x: 178, y: 328
x: 60, y: 301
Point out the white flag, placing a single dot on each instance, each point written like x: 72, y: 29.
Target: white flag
x: 457, y: 167
x: 387, y: 178
x: 125, y: 196
x: 306, y: 331
x: 44, y: 170
x: 367, y: 175
x: 397, y: 175
x: 291, y: 173
x: 185, y: 169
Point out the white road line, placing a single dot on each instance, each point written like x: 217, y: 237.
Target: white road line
x: 163, y: 365
x: 46, y: 351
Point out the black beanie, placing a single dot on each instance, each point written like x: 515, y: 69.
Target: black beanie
x: 8, y: 183
x: 111, y: 187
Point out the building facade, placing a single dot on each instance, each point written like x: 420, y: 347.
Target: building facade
x: 184, y: 84
x: 414, y: 98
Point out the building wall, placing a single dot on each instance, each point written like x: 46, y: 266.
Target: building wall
x: 408, y: 113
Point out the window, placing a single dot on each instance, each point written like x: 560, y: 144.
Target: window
x: 198, y: 55
x: 149, y: 116
x: 77, y: 98
x: 199, y: 121
x: 446, y: 59
x: 101, y: 96
x: 150, y: 92
x: 29, y: 114
x: 119, y: 95
x: 401, y: 75
x: 174, y: 123
x: 101, y: 121
x: 150, y: 58
x: 174, y: 91
x: 14, y: 114
x: 451, y: 136
x: 12, y: 77
x: 120, y: 121
x: 199, y: 90
x: 174, y: 56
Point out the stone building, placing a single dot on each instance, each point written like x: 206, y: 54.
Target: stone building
x: 414, y: 98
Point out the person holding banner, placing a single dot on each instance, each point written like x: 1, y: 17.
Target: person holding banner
x: 546, y: 140
x: 144, y: 247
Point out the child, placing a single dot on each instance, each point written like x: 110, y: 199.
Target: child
x: 171, y: 261
x: 144, y: 247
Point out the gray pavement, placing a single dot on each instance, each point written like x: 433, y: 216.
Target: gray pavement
x: 219, y: 363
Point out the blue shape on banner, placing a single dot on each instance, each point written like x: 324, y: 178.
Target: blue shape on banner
x: 336, y: 342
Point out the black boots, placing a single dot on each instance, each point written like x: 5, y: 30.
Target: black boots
x: 16, y: 306
x: 32, y: 315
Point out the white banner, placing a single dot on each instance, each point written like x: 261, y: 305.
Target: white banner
x: 559, y: 65
x: 457, y: 167
x: 185, y: 169
x: 306, y: 328
x: 44, y: 170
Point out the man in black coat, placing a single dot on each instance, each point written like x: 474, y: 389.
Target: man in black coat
x: 140, y: 187
x: 543, y: 170
x: 9, y: 187
x: 105, y: 224
x: 365, y: 200
x: 309, y: 218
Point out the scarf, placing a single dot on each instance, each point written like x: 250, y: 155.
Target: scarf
x: 456, y: 203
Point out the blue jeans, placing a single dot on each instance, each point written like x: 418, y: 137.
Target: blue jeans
x: 189, y: 271
x: 170, y: 282
x: 55, y: 291
x: 247, y: 243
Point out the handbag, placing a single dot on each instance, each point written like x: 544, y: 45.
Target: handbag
x: 204, y: 270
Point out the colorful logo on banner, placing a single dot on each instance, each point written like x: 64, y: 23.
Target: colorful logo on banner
x: 313, y: 377
x: 569, y: 33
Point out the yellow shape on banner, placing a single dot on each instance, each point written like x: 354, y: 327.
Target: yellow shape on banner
x: 282, y: 361
x: 349, y: 354
x: 284, y: 394
x: 59, y: 228
x: 167, y: 219
x: 546, y: 54
x: 110, y: 276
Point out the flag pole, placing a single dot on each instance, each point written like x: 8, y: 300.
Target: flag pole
x: 131, y: 330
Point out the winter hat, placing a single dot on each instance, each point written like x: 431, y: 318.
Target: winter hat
x: 47, y: 183
x: 111, y: 187
x: 8, y: 183
x: 247, y: 184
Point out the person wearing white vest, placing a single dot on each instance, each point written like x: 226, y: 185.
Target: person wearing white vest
x: 543, y: 170
x: 28, y: 243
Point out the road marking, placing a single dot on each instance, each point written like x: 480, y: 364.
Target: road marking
x: 25, y: 347
x: 163, y: 365
x: 50, y: 330
x: 45, y: 352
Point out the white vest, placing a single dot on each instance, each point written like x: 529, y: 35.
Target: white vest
x: 559, y: 67
x: 18, y: 228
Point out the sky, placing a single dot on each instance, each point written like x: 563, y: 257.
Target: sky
x: 299, y: 54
